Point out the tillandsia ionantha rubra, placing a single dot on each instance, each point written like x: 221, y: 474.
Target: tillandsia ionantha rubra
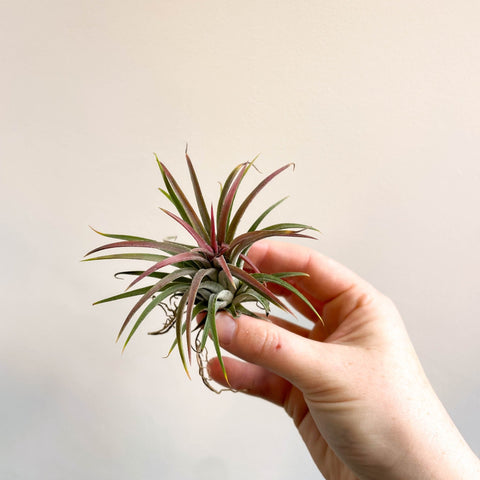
x: 213, y: 274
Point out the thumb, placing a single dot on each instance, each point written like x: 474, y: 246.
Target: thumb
x: 291, y: 356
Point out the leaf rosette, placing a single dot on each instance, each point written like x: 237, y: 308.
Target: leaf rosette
x: 213, y: 274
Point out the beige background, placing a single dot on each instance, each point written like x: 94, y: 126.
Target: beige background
x: 377, y: 103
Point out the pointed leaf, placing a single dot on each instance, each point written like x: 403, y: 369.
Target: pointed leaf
x: 178, y: 330
x: 257, y: 222
x: 252, y: 295
x: 157, y: 287
x: 132, y: 293
x: 180, y: 257
x: 252, y: 282
x: 192, y: 216
x: 198, y: 238
x: 122, y: 237
x: 170, y: 194
x: 223, y: 264
x: 192, y: 294
x: 213, y: 233
x: 246, y: 260
x: 226, y: 187
x: 153, y: 303
x: 265, y: 277
x: 202, y: 208
x: 129, y: 256
x: 226, y: 205
x: 212, y: 311
x: 246, y: 240
x: 283, y: 226
x: 241, y: 309
x: 241, y: 210
x: 168, y: 247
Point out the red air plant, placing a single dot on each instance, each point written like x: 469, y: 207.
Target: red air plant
x: 208, y: 276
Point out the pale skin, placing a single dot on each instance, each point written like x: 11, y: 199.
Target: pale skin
x: 353, y: 386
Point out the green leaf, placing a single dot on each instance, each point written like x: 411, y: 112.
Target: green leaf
x: 139, y: 272
x: 225, y: 205
x: 178, y: 330
x: 252, y: 282
x: 122, y: 237
x: 246, y: 240
x: 226, y: 187
x: 129, y: 256
x: 192, y: 294
x: 257, y: 222
x: 199, y: 308
x: 252, y: 296
x: 175, y: 259
x: 241, y: 309
x: 289, y: 274
x: 198, y: 238
x: 170, y: 194
x: 157, y: 287
x: 283, y: 226
x: 154, y: 302
x: 265, y: 277
x: 212, y: 311
x: 241, y: 210
x: 132, y: 293
x: 168, y: 247
x: 220, y: 260
x: 177, y: 193
x: 167, y: 195
x: 202, y: 208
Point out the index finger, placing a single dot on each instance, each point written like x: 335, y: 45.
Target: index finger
x: 327, y: 278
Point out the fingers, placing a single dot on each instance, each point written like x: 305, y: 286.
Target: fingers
x: 292, y: 327
x: 267, y: 345
x: 251, y: 379
x: 327, y: 278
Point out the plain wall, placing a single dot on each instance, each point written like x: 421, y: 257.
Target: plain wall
x: 376, y: 102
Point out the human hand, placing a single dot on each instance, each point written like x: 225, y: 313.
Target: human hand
x: 353, y: 386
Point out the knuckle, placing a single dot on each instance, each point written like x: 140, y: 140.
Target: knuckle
x: 268, y: 343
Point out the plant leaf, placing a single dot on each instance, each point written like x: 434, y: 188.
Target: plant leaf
x: 226, y: 187
x: 187, y: 208
x: 198, y: 238
x: 257, y: 222
x: 170, y: 194
x: 265, y: 277
x: 154, y: 302
x: 129, y: 256
x: 178, y: 330
x: 225, y: 205
x: 241, y: 210
x: 251, y: 295
x: 179, y: 258
x: 212, y: 311
x: 202, y: 208
x: 244, y: 241
x: 192, y: 294
x: 224, y: 266
x: 122, y: 237
x: 132, y: 293
x: 283, y: 226
x: 157, y: 287
x: 246, y: 260
x: 168, y: 247
x: 252, y: 282
x: 213, y: 233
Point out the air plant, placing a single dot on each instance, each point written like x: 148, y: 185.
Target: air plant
x: 213, y: 274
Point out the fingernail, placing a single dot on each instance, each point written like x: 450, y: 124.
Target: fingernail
x: 226, y: 327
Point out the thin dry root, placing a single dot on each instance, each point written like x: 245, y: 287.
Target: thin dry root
x: 202, y: 361
x: 170, y: 312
